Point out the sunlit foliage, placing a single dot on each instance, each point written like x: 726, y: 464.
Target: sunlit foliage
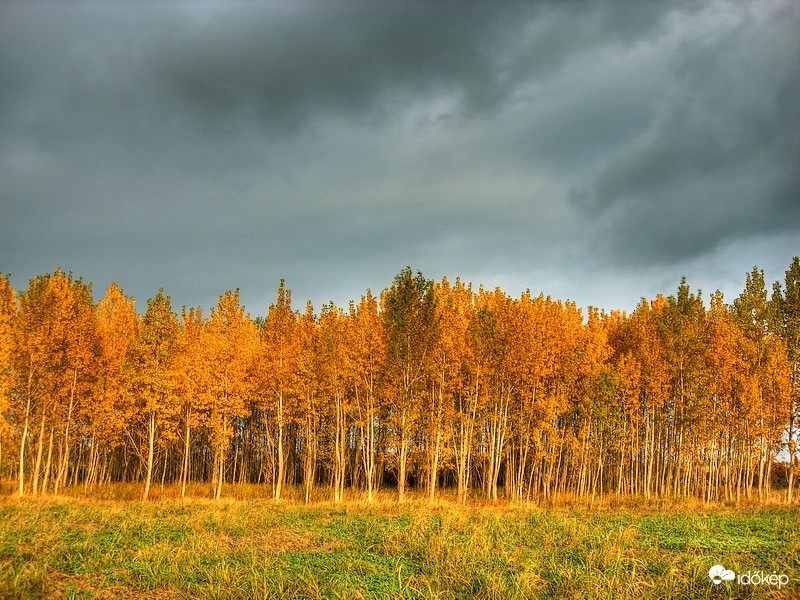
x: 428, y: 385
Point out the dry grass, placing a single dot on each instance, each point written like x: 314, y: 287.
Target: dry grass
x: 113, y: 545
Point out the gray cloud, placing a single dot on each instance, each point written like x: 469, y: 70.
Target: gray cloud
x: 719, y: 161
x: 557, y: 146
x: 281, y: 66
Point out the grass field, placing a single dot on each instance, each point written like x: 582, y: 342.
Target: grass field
x: 70, y: 547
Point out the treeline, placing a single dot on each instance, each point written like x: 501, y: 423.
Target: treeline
x: 430, y: 384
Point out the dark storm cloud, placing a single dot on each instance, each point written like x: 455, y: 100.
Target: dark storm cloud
x: 719, y: 161
x: 205, y: 146
x: 281, y: 65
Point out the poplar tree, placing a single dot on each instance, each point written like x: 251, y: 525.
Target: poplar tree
x: 230, y: 343
x: 310, y: 418
x: 409, y: 321
x: 752, y: 314
x: 118, y: 327
x: 54, y: 352
x: 786, y: 316
x: 446, y: 381
x: 522, y: 398
x: 278, y: 376
x: 192, y: 382
x: 151, y: 376
x: 367, y: 356
x: 335, y: 378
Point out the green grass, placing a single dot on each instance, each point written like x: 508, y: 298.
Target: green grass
x: 100, y: 548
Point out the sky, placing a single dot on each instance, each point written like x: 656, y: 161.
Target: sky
x: 591, y: 151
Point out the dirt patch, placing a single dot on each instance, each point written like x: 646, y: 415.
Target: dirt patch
x: 276, y: 540
x: 64, y: 585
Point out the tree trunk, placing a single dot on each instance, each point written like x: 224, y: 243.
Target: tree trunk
x: 91, y: 471
x: 403, y: 458
x: 308, y: 459
x: 186, y: 447
x: 369, y: 449
x: 339, y: 449
x: 279, y: 478
x: 37, y: 468
x: 48, y: 462
x: 221, y: 466
x: 438, y: 426
x: 25, y: 431
x: 151, y: 435
x: 62, y: 469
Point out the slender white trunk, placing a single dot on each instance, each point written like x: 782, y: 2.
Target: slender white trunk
x: 401, y: 475
x: 37, y: 468
x: 186, y: 446
x: 25, y: 431
x: 62, y: 470
x: 48, y: 462
x: 151, y: 435
x: 279, y: 477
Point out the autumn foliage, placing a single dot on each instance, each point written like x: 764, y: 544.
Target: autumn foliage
x: 430, y: 385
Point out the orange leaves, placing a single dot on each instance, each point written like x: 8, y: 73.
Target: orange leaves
x: 191, y: 365
x: 55, y: 341
x: 150, y: 371
x: 8, y: 315
x: 279, y: 353
x: 230, y: 344
x: 426, y: 383
x: 118, y: 327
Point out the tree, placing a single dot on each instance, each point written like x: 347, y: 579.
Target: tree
x: 582, y: 356
x: 118, y: 327
x: 334, y: 382
x: 446, y: 382
x: 683, y: 331
x: 464, y: 410
x: 193, y: 384
x: 761, y: 349
x: 310, y: 398
x: 725, y: 415
x: 410, y: 329
x: 278, y: 372
x: 54, y: 350
x: 496, y: 328
x: 367, y: 347
x: 638, y: 338
x: 786, y: 307
x: 151, y: 374
x: 230, y: 343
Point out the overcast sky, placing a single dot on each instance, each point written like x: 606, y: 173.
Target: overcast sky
x: 593, y: 151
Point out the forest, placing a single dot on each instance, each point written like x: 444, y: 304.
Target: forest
x: 427, y: 386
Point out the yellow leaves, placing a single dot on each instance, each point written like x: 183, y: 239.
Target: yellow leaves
x: 279, y: 350
x: 366, y: 342
x: 229, y: 343
x: 435, y: 376
x: 55, y: 336
x: 190, y: 369
x: 8, y: 314
x: 118, y: 326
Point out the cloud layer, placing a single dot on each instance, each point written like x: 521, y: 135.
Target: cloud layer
x: 592, y: 151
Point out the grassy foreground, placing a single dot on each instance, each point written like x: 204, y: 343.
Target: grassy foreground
x: 99, y: 548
